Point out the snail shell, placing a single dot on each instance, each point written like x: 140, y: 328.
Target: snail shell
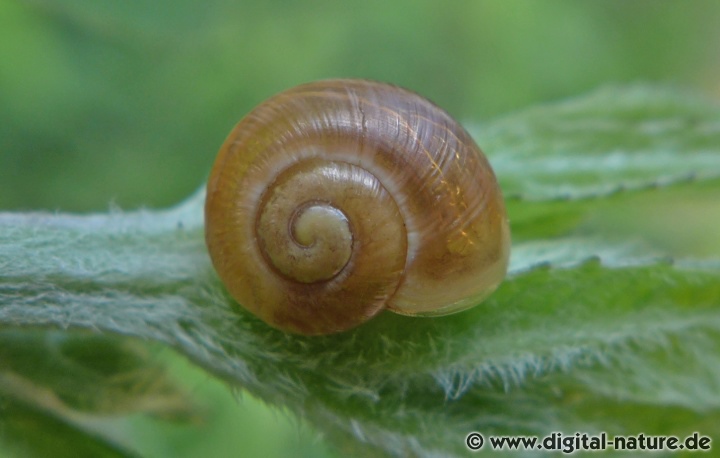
x: 337, y: 199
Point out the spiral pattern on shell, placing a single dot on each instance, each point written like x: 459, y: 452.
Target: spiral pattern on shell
x: 335, y: 200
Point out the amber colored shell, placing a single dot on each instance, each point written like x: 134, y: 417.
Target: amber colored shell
x: 337, y: 199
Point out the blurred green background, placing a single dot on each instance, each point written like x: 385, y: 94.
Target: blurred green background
x: 129, y: 101
x: 126, y: 103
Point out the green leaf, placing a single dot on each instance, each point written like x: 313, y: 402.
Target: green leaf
x: 591, y: 331
x: 66, y: 385
x: 32, y: 431
x: 613, y: 139
x: 96, y: 374
x: 652, y: 211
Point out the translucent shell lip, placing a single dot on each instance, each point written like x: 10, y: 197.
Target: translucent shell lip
x: 406, y: 213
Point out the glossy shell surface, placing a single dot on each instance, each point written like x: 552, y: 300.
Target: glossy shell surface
x: 335, y: 200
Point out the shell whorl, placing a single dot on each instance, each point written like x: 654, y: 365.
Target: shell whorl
x: 337, y: 199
